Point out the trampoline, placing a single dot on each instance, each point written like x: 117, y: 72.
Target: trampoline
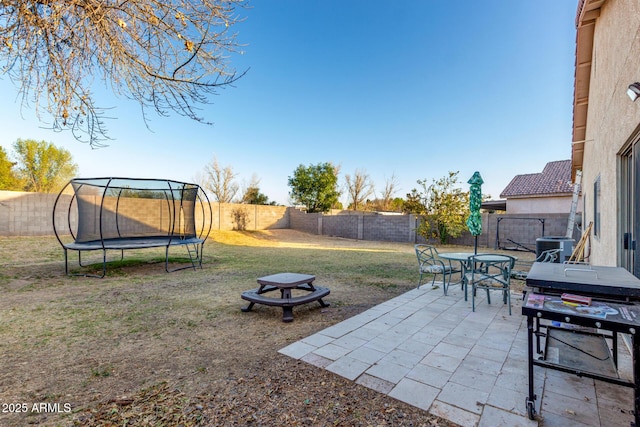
x: 105, y: 214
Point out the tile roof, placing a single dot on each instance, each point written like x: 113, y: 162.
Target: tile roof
x: 555, y: 179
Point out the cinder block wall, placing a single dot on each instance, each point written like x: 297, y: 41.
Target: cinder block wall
x: 341, y: 226
x: 30, y: 214
x: 522, y: 229
x: 307, y: 222
x: 393, y: 228
x: 258, y: 217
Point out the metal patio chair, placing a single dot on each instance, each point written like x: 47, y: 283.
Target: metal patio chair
x: 429, y: 263
x: 550, y: 255
x: 491, y: 272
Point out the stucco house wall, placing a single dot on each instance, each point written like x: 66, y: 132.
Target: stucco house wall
x: 612, y: 119
x: 548, y: 204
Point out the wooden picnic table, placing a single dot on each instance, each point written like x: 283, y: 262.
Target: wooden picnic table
x: 285, y: 283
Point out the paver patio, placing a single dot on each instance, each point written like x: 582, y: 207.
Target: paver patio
x: 431, y: 351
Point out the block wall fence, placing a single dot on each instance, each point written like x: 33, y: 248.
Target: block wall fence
x: 30, y: 214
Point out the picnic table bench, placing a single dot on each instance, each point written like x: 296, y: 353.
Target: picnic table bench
x: 285, y: 283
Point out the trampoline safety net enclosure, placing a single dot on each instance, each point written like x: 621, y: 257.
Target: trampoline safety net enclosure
x: 103, y: 214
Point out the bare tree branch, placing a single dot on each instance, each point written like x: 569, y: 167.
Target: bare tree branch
x: 359, y: 187
x: 390, y: 188
x: 168, y: 55
x: 220, y: 182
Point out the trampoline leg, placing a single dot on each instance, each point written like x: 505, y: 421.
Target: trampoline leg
x: 66, y: 263
x: 195, y: 262
x: 104, y: 265
x: 200, y: 254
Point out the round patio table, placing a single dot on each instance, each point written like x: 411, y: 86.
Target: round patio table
x: 464, y: 259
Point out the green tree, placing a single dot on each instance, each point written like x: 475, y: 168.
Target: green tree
x: 414, y: 203
x: 252, y: 194
x: 446, y: 208
x: 42, y: 166
x: 397, y: 204
x: 315, y: 187
x: 9, y: 179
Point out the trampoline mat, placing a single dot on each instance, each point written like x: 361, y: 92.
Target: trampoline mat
x: 132, y: 243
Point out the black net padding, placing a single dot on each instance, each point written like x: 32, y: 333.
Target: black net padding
x: 125, y: 208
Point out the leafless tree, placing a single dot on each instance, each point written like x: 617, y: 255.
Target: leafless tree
x: 359, y: 187
x: 390, y: 188
x: 220, y: 182
x: 168, y: 55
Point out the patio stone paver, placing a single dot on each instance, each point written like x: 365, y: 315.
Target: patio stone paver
x: 431, y: 351
x: 415, y: 393
x: 492, y: 417
x: 350, y: 341
x: 483, y: 365
x: 331, y: 351
x: 464, y: 397
x: 429, y: 375
x: 575, y: 408
x: 315, y: 360
x: 374, y: 383
x: 477, y: 380
x: 442, y: 361
x: 348, y: 367
x: 367, y: 355
x: 298, y: 349
x: 317, y: 340
x: 402, y: 358
x: 454, y: 414
x: 388, y: 371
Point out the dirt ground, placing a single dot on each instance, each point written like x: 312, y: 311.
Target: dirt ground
x: 146, y: 347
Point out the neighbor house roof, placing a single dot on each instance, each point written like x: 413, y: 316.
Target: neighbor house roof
x: 554, y: 180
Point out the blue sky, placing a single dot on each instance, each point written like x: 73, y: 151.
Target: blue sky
x: 411, y: 88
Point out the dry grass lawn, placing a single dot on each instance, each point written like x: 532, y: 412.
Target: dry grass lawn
x: 144, y: 347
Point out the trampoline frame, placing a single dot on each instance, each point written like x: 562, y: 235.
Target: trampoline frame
x: 194, y: 243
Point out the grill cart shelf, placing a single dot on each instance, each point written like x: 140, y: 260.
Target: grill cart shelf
x: 582, y: 346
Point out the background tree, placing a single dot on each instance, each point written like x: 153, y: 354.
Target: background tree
x: 315, y: 187
x: 167, y: 55
x: 220, y: 182
x: 9, y: 179
x: 359, y: 187
x: 397, y: 204
x: 414, y: 203
x: 390, y: 187
x: 446, y: 208
x: 252, y: 194
x: 42, y: 166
